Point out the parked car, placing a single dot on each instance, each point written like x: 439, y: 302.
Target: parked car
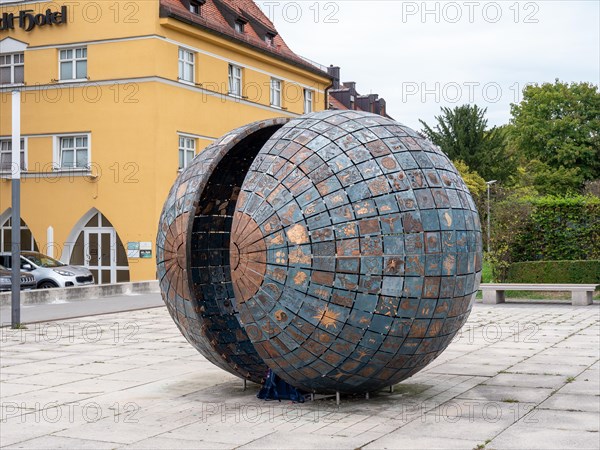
x: 27, y: 280
x: 50, y: 273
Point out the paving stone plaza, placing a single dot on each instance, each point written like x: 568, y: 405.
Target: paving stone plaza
x: 518, y: 375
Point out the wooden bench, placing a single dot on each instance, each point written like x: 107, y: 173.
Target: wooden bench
x: 581, y: 294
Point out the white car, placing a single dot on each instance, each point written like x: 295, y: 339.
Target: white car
x: 50, y: 273
x: 27, y: 280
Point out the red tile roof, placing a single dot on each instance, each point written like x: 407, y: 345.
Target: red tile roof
x: 334, y: 103
x: 219, y: 15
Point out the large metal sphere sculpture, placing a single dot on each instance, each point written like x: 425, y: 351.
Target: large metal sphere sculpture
x: 340, y: 249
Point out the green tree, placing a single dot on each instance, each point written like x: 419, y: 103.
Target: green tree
x: 550, y: 181
x: 472, y: 179
x: 462, y: 134
x: 558, y: 125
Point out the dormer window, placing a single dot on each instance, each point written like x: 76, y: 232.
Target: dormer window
x: 270, y: 39
x: 238, y: 26
x: 195, y: 7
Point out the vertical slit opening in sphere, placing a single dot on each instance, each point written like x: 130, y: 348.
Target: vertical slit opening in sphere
x: 209, y: 247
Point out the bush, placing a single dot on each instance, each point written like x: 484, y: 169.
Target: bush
x: 569, y: 272
x: 510, y: 217
x: 559, y: 228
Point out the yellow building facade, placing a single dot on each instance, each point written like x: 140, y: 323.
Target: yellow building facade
x: 115, y: 98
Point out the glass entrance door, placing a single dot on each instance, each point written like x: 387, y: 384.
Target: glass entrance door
x: 100, y: 246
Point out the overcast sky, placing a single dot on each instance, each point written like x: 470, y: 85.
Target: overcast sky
x: 420, y: 56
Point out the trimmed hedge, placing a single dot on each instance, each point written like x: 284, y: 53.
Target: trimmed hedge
x: 573, y: 272
x: 560, y: 228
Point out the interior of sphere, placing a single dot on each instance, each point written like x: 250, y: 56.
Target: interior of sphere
x: 194, y: 265
x: 210, y: 255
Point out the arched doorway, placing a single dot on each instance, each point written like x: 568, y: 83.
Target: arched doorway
x: 27, y: 240
x: 98, y: 247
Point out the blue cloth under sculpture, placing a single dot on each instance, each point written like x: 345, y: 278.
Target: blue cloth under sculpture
x: 277, y: 389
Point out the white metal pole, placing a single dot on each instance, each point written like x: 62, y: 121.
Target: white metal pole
x: 50, y: 241
x: 16, y: 210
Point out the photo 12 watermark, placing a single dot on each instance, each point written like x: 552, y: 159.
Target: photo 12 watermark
x: 294, y: 12
x: 455, y: 92
x: 87, y: 91
x: 55, y: 412
x: 491, y: 333
x: 470, y: 12
x: 71, y: 332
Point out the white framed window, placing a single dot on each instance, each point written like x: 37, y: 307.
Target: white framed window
x: 27, y: 240
x: 72, y: 152
x: 238, y: 26
x: 235, y: 80
x: 73, y: 63
x: 195, y: 7
x: 6, y: 155
x: 186, y: 65
x: 187, y: 150
x: 276, y: 92
x: 12, y: 68
x: 308, y: 101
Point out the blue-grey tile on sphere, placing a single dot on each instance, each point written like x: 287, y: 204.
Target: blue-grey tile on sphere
x: 349, y: 259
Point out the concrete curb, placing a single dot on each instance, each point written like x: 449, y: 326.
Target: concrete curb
x: 72, y: 294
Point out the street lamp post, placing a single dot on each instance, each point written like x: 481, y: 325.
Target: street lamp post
x: 488, y: 183
x: 16, y: 210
